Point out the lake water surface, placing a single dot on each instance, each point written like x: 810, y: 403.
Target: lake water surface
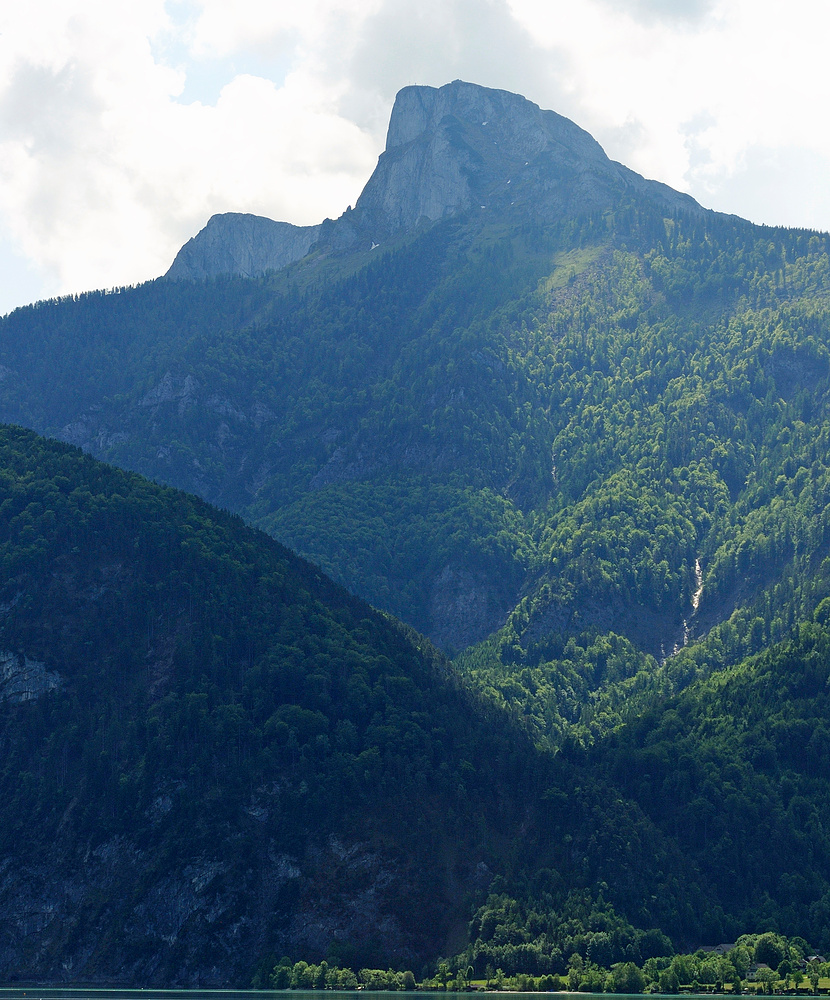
x: 95, y: 993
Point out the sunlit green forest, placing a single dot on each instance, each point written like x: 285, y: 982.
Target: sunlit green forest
x: 570, y: 416
x: 589, y: 460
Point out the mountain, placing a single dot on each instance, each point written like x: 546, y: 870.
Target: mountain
x: 248, y: 245
x: 579, y: 438
x: 449, y: 150
x: 211, y: 752
x: 551, y: 417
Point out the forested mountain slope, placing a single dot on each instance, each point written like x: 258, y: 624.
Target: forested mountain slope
x: 580, y: 432
x: 593, y: 406
x: 209, y: 751
x: 736, y: 770
x: 579, y: 436
x: 691, y: 463
x: 383, y: 391
x: 733, y: 773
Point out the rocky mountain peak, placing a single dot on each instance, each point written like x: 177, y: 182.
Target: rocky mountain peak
x: 421, y: 111
x: 451, y: 149
x: 462, y: 146
x: 243, y: 244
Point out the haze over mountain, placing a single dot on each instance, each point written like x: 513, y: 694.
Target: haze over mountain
x: 561, y: 419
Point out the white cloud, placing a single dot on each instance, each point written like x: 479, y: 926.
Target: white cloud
x: 108, y: 163
x: 104, y: 174
x: 685, y: 99
x: 436, y: 41
x: 663, y: 10
x: 222, y: 28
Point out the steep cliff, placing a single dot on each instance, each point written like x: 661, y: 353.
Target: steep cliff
x: 449, y: 150
x: 247, y: 245
x: 462, y: 147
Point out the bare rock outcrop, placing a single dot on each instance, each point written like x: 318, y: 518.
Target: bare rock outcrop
x: 449, y: 150
x: 24, y: 679
x: 238, y: 243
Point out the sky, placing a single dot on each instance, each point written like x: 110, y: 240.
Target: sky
x: 125, y: 124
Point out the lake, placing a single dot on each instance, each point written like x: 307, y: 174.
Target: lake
x: 95, y: 993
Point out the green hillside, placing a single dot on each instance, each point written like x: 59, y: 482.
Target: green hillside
x: 585, y: 450
x: 733, y: 773
x: 573, y: 414
x: 211, y: 754
x: 210, y: 751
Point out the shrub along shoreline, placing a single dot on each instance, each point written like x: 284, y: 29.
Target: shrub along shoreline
x: 760, y: 964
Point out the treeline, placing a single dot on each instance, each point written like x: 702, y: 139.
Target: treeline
x: 288, y: 975
x: 760, y: 963
x: 538, y: 933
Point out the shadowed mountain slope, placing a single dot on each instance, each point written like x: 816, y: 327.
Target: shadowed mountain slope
x: 210, y: 751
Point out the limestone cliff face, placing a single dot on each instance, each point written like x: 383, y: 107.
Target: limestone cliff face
x: 449, y: 150
x: 24, y: 679
x: 247, y: 245
x: 462, y: 146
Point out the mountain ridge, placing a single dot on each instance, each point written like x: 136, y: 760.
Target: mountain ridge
x: 586, y: 452
x: 438, y: 161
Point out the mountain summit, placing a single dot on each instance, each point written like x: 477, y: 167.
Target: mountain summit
x: 449, y: 150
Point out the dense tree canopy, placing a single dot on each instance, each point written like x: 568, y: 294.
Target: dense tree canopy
x: 590, y: 458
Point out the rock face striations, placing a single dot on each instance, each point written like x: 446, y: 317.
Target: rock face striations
x: 247, y: 245
x: 449, y: 150
x: 464, y: 147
